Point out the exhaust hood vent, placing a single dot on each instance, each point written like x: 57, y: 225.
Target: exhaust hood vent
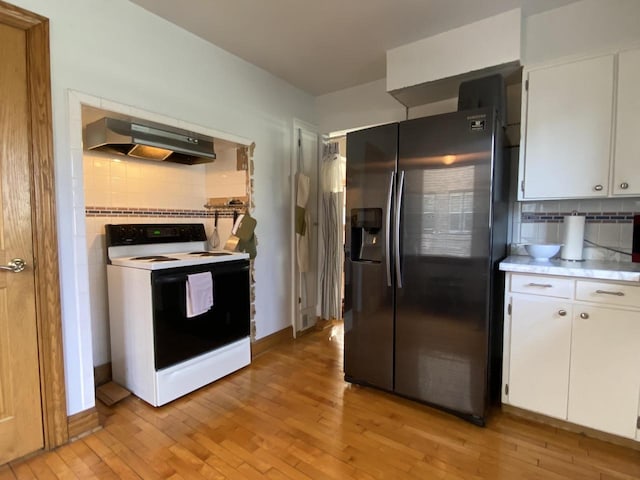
x: 149, y: 141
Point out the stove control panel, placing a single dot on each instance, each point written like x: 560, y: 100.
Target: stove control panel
x: 148, y: 233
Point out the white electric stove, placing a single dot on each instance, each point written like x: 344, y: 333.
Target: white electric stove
x: 158, y: 352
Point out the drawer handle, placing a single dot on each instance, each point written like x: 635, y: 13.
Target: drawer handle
x: 598, y: 188
x: 605, y: 292
x: 584, y: 315
x: 541, y: 285
x: 562, y: 313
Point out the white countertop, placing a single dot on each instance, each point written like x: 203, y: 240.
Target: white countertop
x: 597, y: 269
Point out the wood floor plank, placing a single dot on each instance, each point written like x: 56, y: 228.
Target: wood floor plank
x: 6, y: 473
x: 41, y: 469
x: 291, y: 416
x: 22, y: 471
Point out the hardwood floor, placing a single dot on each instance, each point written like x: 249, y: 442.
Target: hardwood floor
x: 291, y: 416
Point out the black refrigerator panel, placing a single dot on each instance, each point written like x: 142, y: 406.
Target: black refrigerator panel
x: 368, y: 298
x: 445, y: 171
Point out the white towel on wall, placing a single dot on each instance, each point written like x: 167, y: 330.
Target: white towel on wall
x: 302, y: 241
x: 199, y: 293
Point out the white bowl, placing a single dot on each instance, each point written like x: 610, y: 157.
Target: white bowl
x: 542, y: 251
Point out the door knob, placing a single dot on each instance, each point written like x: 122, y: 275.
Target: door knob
x: 624, y: 185
x: 598, y: 188
x: 15, y: 265
x: 584, y: 315
x: 562, y: 313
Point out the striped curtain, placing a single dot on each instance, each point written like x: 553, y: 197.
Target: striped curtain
x: 332, y: 178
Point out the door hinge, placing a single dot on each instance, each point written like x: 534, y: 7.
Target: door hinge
x: 526, y: 85
x: 506, y: 389
x: 522, y: 186
x: 638, y: 423
x: 509, y: 309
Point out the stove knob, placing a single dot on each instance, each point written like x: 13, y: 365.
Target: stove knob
x: 185, y: 233
x: 128, y: 234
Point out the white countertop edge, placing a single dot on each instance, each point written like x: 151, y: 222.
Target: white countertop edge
x: 596, y: 269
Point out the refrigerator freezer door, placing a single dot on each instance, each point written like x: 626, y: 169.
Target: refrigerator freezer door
x: 368, y: 298
x: 442, y: 310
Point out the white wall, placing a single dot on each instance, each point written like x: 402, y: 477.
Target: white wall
x: 115, y: 50
x: 579, y: 28
x: 362, y: 106
x: 491, y: 41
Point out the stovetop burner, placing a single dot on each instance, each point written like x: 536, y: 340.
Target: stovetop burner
x: 157, y: 247
x: 155, y: 258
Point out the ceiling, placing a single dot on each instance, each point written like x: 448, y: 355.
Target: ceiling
x: 321, y: 46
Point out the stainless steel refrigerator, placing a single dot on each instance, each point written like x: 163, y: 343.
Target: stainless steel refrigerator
x: 427, y: 211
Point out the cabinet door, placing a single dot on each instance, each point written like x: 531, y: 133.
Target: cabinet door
x: 539, y: 363
x: 605, y: 369
x: 567, y: 136
x: 626, y: 174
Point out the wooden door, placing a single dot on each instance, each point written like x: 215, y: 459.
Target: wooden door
x: 20, y: 399
x: 540, y: 349
x: 29, y: 300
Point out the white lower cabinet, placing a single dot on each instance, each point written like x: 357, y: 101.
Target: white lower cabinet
x: 575, y: 358
x: 540, y: 349
x: 604, y: 381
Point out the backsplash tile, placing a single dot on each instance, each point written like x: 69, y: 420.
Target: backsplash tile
x: 158, y: 212
x: 591, y: 217
x: 110, y: 182
x: 608, y: 223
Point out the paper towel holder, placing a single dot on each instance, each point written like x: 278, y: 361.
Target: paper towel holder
x: 572, y: 248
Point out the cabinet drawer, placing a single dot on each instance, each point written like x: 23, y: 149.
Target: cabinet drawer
x: 547, y: 286
x: 609, y: 293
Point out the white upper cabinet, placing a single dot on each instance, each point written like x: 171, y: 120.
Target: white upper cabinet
x: 566, y: 130
x: 626, y: 168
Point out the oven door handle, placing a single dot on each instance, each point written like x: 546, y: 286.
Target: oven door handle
x: 164, y: 279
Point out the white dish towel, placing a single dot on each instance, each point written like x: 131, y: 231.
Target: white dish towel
x: 199, y: 293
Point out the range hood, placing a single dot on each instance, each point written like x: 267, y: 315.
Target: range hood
x: 147, y: 140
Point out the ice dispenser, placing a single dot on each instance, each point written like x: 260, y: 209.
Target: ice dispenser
x: 366, y: 235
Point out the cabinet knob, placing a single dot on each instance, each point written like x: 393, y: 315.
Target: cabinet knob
x: 598, y: 188
x: 562, y: 313
x: 584, y: 315
x: 624, y: 185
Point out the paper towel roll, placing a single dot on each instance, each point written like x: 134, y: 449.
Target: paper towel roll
x: 573, y: 238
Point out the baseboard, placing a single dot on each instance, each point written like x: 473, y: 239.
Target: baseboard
x: 82, y: 423
x: 262, y: 345
x: 102, y: 374
x: 572, y: 427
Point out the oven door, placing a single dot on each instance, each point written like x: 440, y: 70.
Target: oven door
x: 178, y: 338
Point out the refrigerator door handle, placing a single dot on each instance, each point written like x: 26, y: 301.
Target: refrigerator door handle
x: 396, y: 228
x: 388, y: 228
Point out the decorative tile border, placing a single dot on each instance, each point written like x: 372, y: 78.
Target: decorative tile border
x: 591, y: 217
x: 159, y: 212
